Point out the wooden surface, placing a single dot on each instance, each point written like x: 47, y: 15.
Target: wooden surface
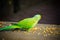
x: 39, y: 32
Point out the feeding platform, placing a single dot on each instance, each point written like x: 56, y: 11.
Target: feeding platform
x: 39, y: 32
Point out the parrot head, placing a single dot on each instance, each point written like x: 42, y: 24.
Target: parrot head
x: 38, y: 17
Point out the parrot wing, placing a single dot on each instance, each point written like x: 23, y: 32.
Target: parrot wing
x: 27, y: 23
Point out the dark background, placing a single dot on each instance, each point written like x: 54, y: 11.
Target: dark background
x: 15, y: 10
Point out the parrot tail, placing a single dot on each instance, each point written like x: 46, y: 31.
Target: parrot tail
x: 8, y: 28
x: 5, y: 28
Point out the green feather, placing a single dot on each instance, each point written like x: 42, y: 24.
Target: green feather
x: 24, y: 24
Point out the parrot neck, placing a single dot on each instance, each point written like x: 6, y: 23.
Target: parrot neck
x: 35, y: 18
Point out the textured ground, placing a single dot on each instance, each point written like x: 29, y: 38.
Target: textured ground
x: 39, y: 32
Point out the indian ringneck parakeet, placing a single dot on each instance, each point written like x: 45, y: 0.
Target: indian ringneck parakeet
x: 24, y: 24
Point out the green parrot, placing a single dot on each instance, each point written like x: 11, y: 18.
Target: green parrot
x: 24, y: 24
